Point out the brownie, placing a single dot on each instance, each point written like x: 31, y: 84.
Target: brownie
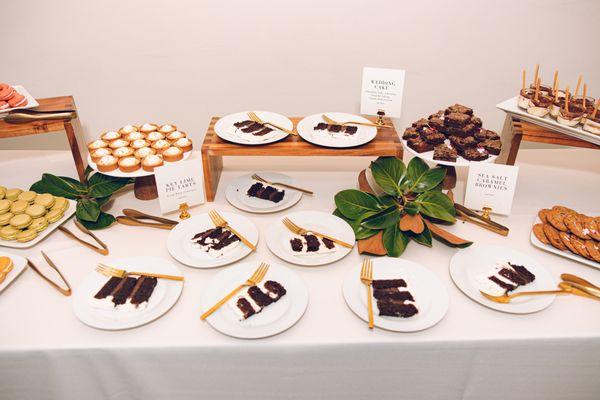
x: 143, y: 290
x: 245, y: 307
x: 475, y: 154
x: 456, y: 120
x: 485, y: 134
x: 464, y: 131
x: 434, y: 137
x: 476, y: 121
x: 420, y: 124
x: 444, y: 153
x: 108, y: 288
x: 410, y: 133
x: 296, y: 244
x: 275, y: 288
x: 242, y: 124
x: 439, y: 114
x: 321, y: 126
x: 492, y: 146
x: 388, y: 283
x: 312, y: 243
x: 259, y: 297
x: 459, y: 109
x: 463, y: 143
x: 419, y: 145
x: 350, y: 129
x: 437, y: 123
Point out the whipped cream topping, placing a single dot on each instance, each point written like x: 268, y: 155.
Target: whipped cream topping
x: 152, y: 159
x: 161, y: 144
x: 249, y: 137
x: 182, y: 142
x: 96, y: 144
x: 107, y: 160
x: 304, y: 252
x: 103, y: 151
x: 212, y: 252
x: 166, y: 128
x: 118, y: 143
x: 153, y: 136
x: 172, y: 151
x: 129, y: 161
x: 111, y: 135
x: 175, y: 135
x: 139, y: 143
x: 148, y: 127
x: 123, y: 152
x: 144, y: 151
x: 128, y: 128
x: 135, y: 136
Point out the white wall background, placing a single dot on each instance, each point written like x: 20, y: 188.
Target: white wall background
x: 184, y: 61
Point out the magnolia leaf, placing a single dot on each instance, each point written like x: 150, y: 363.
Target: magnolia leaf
x: 360, y: 232
x: 423, y: 238
x: 388, y: 172
x: 394, y: 241
x: 384, y: 218
x: 411, y: 208
x: 104, y: 220
x: 436, y: 205
x: 61, y: 186
x: 413, y: 223
x: 428, y: 180
x: 355, y: 204
x: 87, y: 210
x: 100, y: 185
x: 372, y: 245
x: 416, y: 168
x: 446, y: 237
x: 88, y: 171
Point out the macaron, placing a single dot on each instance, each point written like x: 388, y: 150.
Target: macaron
x: 60, y: 203
x: 4, y: 206
x: 26, y: 235
x: 54, y: 215
x: 39, y: 224
x: 5, y: 218
x: 35, y: 210
x: 18, y: 207
x: 44, y: 199
x: 8, y: 232
x: 28, y: 196
x: 2, y: 192
x: 20, y: 221
x: 12, y: 194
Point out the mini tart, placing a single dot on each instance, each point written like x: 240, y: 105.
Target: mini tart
x: 8, y: 232
x: 134, y: 136
x: 154, y: 136
x: 152, y: 161
x: 115, y: 144
x: 129, y: 164
x: 166, y: 129
x: 28, y: 196
x: 4, y: 206
x: 184, y: 144
x: 27, y: 235
x: 18, y: 207
x: 54, y: 215
x: 45, y: 199
x: 172, y: 154
x: 97, y: 144
x: 110, y: 136
x: 5, y: 218
x: 20, y: 221
x: 123, y: 152
x: 128, y: 129
x: 176, y: 135
x: 35, y: 211
x: 107, y: 164
x: 147, y: 128
x: 99, y: 153
x: 139, y: 143
x: 39, y: 224
x: 144, y: 152
x: 60, y: 203
x: 12, y: 194
x: 161, y: 145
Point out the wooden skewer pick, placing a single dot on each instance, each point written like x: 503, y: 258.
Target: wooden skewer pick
x: 537, y: 90
x: 523, y: 81
x: 555, y: 82
x: 596, y: 109
x: 556, y: 92
x: 578, y: 86
x: 567, y: 100
x: 584, y: 94
x: 537, y: 71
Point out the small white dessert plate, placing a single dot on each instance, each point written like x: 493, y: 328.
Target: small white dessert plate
x: 43, y: 234
x: 567, y: 254
x: 165, y: 295
x: 278, y: 237
x: 31, y: 102
x: 140, y: 172
x: 468, y: 264
x: 225, y: 129
x: 183, y: 250
x: 363, y: 135
x: 236, y: 194
x: 431, y: 297
x: 19, y: 265
x: 273, y: 319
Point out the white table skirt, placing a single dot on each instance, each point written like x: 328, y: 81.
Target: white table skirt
x: 473, y: 353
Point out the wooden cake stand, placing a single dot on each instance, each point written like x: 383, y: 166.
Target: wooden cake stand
x: 386, y: 143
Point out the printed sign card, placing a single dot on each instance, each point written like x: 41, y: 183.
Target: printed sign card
x: 491, y: 185
x: 382, y: 90
x: 178, y: 183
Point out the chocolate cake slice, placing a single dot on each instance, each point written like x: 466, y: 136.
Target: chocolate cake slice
x: 143, y: 290
x: 243, y: 124
x: 505, y: 278
x: 296, y: 244
x: 254, y: 127
x: 259, y: 297
x: 254, y: 299
x: 108, y: 288
x: 275, y: 288
x: 321, y: 126
x: 391, y: 301
x: 312, y: 243
x: 124, y: 290
x: 527, y: 275
x: 388, y: 283
x: 393, y: 308
x: 263, y: 131
x: 245, y: 307
x: 263, y: 192
x: 350, y: 129
x: 214, y: 238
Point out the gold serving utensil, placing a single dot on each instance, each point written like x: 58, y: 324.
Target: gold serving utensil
x: 141, y: 215
x: 137, y: 218
x: 121, y: 273
x: 220, y: 222
x: 19, y: 117
x: 254, y: 280
x: 301, y: 231
x: 579, y: 280
x: 122, y: 219
x: 253, y: 117
x: 508, y: 297
x: 468, y: 215
x: 331, y: 121
x: 366, y: 277
x: 258, y: 178
x: 580, y: 290
x: 65, y: 292
x: 102, y: 248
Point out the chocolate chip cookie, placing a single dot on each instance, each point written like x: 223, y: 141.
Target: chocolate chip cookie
x: 552, y: 235
x: 538, y: 231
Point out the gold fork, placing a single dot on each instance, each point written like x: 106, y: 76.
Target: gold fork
x: 263, y: 180
x: 301, y: 231
x: 254, y: 280
x: 253, y: 117
x: 334, y: 122
x: 121, y: 273
x: 366, y: 277
x: 220, y: 222
x: 508, y: 297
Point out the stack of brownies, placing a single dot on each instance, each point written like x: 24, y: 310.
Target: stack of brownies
x: 452, y: 132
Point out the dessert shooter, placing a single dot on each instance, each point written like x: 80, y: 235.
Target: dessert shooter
x: 540, y: 103
x: 570, y: 115
x: 592, y: 121
x: 525, y: 94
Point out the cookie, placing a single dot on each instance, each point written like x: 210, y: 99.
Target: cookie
x: 552, y: 235
x: 593, y: 249
x: 564, y: 210
x: 543, y: 213
x: 575, y: 225
x: 566, y: 239
x: 579, y: 246
x: 556, y: 219
x: 592, y: 228
x: 538, y: 231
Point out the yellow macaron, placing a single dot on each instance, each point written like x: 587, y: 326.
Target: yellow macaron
x: 18, y: 207
x: 35, y: 210
x: 39, y: 224
x: 4, y: 206
x: 20, y: 221
x: 12, y: 194
x: 8, y: 232
x: 2, y: 192
x: 44, y: 199
x: 26, y: 235
x: 28, y: 196
x: 54, y: 215
x: 5, y: 218
x: 60, y: 203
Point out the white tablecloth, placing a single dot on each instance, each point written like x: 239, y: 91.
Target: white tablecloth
x: 473, y: 353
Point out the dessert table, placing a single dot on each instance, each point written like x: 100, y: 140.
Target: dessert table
x: 473, y: 353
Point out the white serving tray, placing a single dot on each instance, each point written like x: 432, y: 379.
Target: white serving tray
x: 19, y: 265
x: 510, y: 106
x: 31, y: 102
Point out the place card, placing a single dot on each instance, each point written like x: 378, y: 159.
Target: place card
x: 491, y: 185
x: 382, y: 89
x: 179, y: 183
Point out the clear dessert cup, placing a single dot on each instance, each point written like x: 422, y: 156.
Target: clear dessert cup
x: 540, y: 107
x: 572, y: 117
x: 524, y: 99
x: 557, y: 106
x: 592, y: 125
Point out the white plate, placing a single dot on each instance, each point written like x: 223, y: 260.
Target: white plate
x: 467, y: 264
x: 511, y: 107
x: 140, y: 172
x: 273, y: 319
x: 236, y: 194
x: 180, y: 247
x: 165, y: 295
x: 278, y: 237
x: 460, y: 162
x: 567, y: 254
x: 19, y: 265
x: 224, y: 124
x: 51, y: 228
x: 31, y: 102
x: 431, y: 297
x: 364, y: 134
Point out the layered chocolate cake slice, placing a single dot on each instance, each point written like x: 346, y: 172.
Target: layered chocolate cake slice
x: 504, y: 278
x: 265, y: 192
x: 310, y: 244
x: 254, y: 299
x: 251, y: 131
x: 215, y: 241
x: 340, y: 130
x: 392, y: 301
x: 127, y: 293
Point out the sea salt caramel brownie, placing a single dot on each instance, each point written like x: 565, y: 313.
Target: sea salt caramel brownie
x: 492, y: 146
x: 444, y: 153
x: 410, y: 132
x: 485, y: 134
x: 432, y: 136
x: 460, y: 109
x: 475, y: 154
x: 419, y: 145
x: 420, y: 124
x: 456, y: 120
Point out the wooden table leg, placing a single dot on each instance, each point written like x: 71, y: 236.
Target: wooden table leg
x: 514, y: 149
x: 145, y: 188
x: 71, y: 136
x: 212, y: 167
